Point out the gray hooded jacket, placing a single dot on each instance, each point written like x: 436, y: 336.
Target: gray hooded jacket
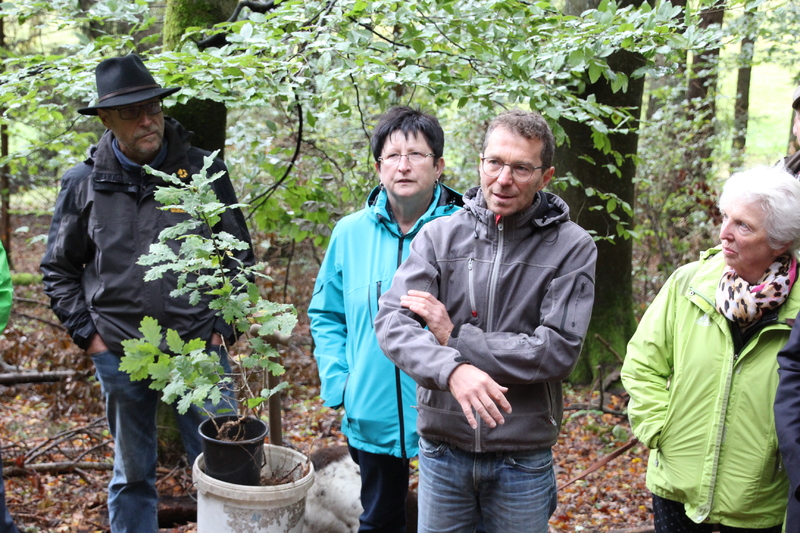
x: 519, y: 291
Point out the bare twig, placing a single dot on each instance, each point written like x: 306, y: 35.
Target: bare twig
x: 48, y: 322
x: 263, y: 197
x: 603, y: 461
x: 31, y: 301
x: 590, y: 407
x: 608, y: 347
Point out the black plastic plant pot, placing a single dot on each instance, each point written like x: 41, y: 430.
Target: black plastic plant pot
x: 236, y: 461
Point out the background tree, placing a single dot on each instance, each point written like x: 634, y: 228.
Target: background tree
x: 601, y: 199
x: 206, y: 117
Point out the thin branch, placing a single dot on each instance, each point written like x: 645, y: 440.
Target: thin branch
x: 443, y: 34
x: 31, y: 301
x: 608, y: 347
x: 590, y: 407
x: 603, y: 461
x: 360, y: 111
x: 31, y: 317
x: 274, y: 187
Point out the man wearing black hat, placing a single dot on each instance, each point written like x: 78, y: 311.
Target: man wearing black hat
x: 105, y: 218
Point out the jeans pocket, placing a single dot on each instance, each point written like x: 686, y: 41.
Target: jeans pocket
x: 432, y: 449
x: 533, y: 462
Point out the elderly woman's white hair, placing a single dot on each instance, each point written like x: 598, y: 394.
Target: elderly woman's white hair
x: 778, y: 193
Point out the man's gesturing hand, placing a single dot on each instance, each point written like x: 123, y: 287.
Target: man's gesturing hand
x: 432, y: 312
x: 474, y: 389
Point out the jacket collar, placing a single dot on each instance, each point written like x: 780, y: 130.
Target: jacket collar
x: 709, y: 271
x: 445, y: 200
x: 546, y: 210
x: 108, y: 169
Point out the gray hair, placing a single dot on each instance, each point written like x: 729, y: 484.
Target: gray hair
x: 777, y: 192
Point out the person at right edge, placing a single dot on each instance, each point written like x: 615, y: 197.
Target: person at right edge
x: 6, y: 296
x: 792, y: 162
x: 701, y: 369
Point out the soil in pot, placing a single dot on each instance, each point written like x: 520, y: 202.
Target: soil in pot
x: 233, y: 448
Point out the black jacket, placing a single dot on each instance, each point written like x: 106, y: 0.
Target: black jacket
x: 787, y: 422
x: 105, y: 219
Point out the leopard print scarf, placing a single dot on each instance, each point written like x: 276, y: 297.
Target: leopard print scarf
x: 743, y: 303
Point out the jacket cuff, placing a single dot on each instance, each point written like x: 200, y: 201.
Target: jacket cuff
x: 225, y: 330
x: 83, y: 335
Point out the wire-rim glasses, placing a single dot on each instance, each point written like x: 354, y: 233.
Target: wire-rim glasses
x: 493, y: 167
x: 414, y: 158
x: 132, y: 112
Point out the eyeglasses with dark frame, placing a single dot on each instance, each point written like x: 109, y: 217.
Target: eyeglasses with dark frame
x: 414, y: 158
x: 493, y: 167
x: 132, y: 112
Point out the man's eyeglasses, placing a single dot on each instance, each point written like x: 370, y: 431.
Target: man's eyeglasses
x: 414, y: 158
x: 132, y: 112
x: 494, y: 167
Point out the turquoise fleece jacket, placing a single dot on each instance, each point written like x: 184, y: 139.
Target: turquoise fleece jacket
x: 365, y: 250
x: 704, y: 412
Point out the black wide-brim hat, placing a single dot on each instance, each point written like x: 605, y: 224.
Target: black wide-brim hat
x: 124, y: 81
x: 796, y: 99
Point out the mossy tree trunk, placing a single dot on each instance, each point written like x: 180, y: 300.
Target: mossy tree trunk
x: 613, y: 318
x: 206, y: 118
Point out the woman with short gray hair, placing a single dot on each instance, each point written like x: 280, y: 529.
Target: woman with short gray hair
x: 701, y: 369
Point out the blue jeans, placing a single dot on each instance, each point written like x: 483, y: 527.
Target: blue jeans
x: 131, y: 412
x: 6, y: 523
x: 509, y: 491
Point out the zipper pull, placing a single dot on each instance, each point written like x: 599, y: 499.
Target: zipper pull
x: 471, y: 298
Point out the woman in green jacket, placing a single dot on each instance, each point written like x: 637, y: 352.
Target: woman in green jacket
x: 701, y: 369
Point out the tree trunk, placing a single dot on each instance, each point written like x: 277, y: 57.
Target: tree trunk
x: 673, y: 80
x: 741, y: 110
x: 701, y: 96
x: 613, y: 317
x: 206, y: 118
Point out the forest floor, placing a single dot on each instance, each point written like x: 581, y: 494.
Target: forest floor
x: 57, y: 452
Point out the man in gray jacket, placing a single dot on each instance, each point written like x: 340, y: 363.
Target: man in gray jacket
x: 105, y: 218
x: 505, y: 288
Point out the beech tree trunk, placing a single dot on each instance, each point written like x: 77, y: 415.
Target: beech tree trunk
x: 206, y: 118
x: 613, y: 317
x: 701, y: 96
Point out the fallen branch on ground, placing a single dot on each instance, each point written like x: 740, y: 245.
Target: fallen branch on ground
x: 15, y: 378
x: 602, y: 462
x: 54, y: 468
x: 590, y: 407
x: 48, y: 322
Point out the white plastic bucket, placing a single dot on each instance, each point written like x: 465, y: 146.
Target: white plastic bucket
x: 229, y: 508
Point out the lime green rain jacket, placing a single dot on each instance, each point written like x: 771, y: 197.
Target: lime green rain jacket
x: 705, y: 415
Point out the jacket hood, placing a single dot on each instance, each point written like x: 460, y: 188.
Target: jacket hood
x: 546, y: 210
x: 444, y: 202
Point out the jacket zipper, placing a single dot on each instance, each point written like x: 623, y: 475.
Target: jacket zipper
x: 398, y: 384
x: 706, y: 508
x: 493, y: 277
x: 490, y: 312
x: 471, y: 289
